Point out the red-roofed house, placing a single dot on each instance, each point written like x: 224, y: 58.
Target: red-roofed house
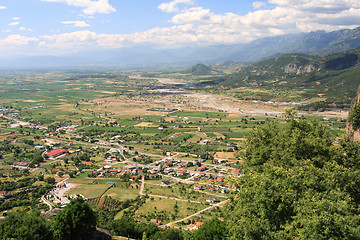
x: 61, y: 185
x: 56, y: 153
x: 156, y: 222
x: 152, y: 176
x: 198, y: 187
x: 44, y: 164
x: 3, y: 193
x: 182, y: 171
x: 202, y: 168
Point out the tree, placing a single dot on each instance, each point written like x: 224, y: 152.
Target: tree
x: 212, y: 230
x: 25, y: 226
x: 50, y: 180
x: 76, y: 222
x: 296, y: 185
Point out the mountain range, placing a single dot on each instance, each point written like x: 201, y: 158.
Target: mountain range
x: 331, y: 79
x: 313, y: 43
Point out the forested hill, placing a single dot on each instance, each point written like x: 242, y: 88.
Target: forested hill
x: 335, y: 77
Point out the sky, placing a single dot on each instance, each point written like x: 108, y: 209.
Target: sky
x: 57, y: 27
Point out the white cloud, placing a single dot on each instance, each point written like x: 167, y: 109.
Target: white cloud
x: 2, y: 7
x: 197, y: 26
x: 16, y: 40
x: 89, y: 7
x: 197, y: 15
x: 26, y: 29
x: 13, y: 23
x: 258, y: 5
x: 172, y: 6
x: 76, y: 23
x: 15, y: 18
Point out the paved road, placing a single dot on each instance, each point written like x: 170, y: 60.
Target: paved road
x: 43, y: 199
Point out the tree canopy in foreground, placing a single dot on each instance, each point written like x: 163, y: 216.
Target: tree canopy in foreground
x: 297, y: 185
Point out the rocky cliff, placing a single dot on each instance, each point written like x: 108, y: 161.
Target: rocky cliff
x: 293, y: 68
x: 351, y: 132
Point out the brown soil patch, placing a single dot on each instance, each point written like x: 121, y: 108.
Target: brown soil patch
x: 169, y: 119
x: 238, y: 139
x: 101, y: 91
x: 224, y: 155
x: 143, y: 124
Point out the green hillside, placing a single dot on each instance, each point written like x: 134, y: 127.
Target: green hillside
x: 300, y: 77
x: 200, y: 69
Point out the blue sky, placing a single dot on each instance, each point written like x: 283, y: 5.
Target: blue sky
x: 55, y: 27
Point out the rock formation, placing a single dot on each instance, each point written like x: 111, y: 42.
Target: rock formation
x: 352, y: 133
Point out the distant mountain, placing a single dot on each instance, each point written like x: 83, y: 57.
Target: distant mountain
x: 333, y: 78
x: 314, y: 43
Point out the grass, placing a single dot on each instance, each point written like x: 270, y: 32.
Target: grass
x: 89, y: 190
x: 164, y: 209
x: 121, y: 193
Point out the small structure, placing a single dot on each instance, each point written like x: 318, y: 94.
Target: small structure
x: 202, y: 168
x: 164, y: 182
x: 56, y: 153
x: 156, y: 222
x: 195, y: 226
x: 4, y: 194
x: 198, y: 187
x: 212, y: 200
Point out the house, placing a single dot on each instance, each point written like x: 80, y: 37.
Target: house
x: 195, y: 226
x: 114, y: 170
x: 39, y: 147
x: 224, y: 190
x: 236, y: 172
x: 156, y: 222
x: 86, y: 163
x: 198, y: 187
x: 219, y: 179
x: 22, y: 163
x: 212, y: 200
x: 182, y: 171
x: 4, y: 193
x: 204, y: 141
x: 164, y: 182
x: 44, y: 164
x: 168, y: 170
x: 56, y: 153
x: 202, y: 168
x: 61, y: 185
x: 152, y: 176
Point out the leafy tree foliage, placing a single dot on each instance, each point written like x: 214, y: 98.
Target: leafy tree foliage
x: 297, y: 184
x: 75, y: 222
x: 212, y: 230
x: 29, y: 226
x: 354, y: 116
